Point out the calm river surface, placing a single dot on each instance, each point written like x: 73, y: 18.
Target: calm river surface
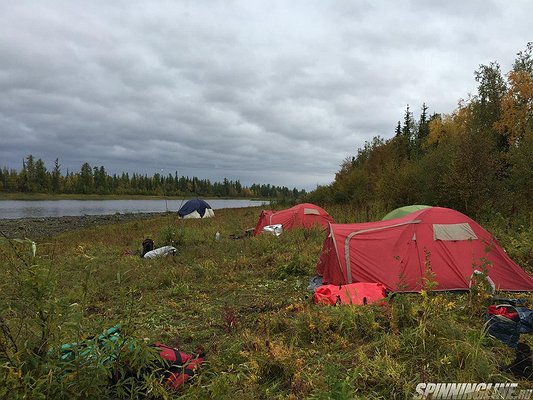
x: 10, y: 209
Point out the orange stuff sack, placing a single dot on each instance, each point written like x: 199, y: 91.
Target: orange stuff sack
x: 354, y: 293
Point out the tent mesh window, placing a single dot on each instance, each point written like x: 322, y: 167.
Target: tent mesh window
x: 453, y: 232
x: 312, y: 211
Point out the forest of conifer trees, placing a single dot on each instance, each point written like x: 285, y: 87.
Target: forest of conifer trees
x: 34, y: 177
x: 478, y: 159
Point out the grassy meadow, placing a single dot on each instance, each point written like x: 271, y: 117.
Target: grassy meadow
x: 243, y: 302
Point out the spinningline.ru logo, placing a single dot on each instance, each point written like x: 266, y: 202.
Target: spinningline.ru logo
x: 471, y: 391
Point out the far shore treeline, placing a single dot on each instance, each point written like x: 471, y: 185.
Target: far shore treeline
x: 477, y: 160
x: 34, y: 177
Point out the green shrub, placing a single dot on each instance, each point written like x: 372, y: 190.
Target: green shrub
x: 170, y: 235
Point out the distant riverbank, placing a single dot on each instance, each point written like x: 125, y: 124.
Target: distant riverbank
x: 39, y: 228
x: 46, y: 196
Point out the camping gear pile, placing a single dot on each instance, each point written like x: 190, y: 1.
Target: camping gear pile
x: 161, y: 252
x: 506, y: 322
x: 148, y: 250
x: 175, y: 366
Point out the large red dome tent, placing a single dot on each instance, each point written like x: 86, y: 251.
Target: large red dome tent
x: 304, y: 215
x: 394, y: 252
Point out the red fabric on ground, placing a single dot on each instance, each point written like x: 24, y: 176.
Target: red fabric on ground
x: 502, y: 310
x: 355, y: 293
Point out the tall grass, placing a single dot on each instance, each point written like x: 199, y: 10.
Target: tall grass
x: 244, y: 302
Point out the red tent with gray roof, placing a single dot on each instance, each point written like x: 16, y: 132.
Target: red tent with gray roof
x: 395, y: 252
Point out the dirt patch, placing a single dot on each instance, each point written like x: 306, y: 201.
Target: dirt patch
x: 38, y: 228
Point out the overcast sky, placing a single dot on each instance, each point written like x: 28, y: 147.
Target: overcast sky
x: 270, y: 91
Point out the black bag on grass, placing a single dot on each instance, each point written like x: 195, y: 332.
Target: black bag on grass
x: 148, y: 245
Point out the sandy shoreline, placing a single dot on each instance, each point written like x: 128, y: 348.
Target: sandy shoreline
x: 38, y: 228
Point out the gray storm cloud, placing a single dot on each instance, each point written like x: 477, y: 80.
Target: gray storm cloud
x: 268, y: 92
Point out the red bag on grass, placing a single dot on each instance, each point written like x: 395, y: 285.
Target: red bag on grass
x: 180, y: 367
x: 504, y: 310
x: 354, y: 293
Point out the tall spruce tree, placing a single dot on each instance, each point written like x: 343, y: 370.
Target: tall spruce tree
x: 42, y: 178
x: 56, y: 177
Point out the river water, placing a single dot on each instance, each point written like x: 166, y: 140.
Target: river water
x: 11, y: 209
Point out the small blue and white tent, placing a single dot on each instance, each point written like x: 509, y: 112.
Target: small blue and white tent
x: 196, y: 208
